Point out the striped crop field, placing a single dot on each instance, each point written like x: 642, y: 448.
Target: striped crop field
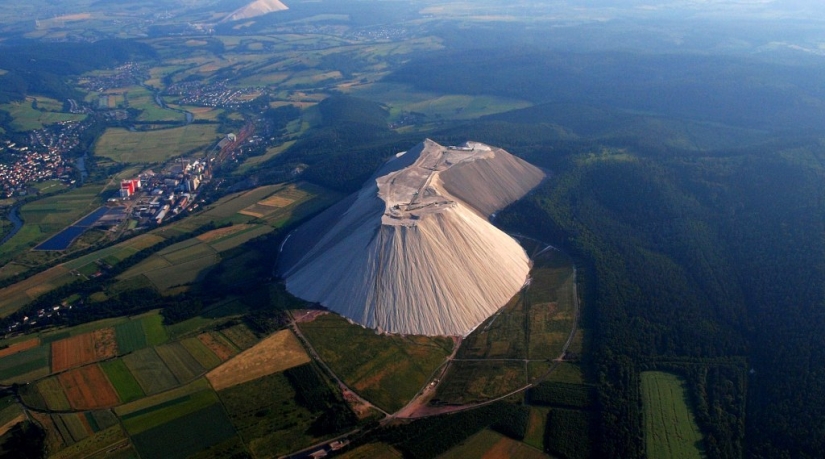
x: 670, y: 427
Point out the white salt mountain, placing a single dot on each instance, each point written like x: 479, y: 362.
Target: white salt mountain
x: 413, y: 252
x: 256, y: 8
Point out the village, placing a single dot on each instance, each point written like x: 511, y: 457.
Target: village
x: 46, y: 155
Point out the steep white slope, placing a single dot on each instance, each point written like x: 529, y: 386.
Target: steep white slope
x: 405, y: 255
x: 256, y: 8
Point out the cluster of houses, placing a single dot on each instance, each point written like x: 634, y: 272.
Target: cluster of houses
x: 43, y: 156
x: 211, y: 95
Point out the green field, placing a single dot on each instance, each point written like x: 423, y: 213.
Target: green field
x: 267, y: 416
x: 670, y: 426
x: 53, y: 394
x: 130, y: 336
x: 185, y: 434
x: 45, y: 217
x: 475, y: 381
x: 125, y: 384
x: 372, y: 451
x: 180, y: 362
x: 240, y: 336
x: 567, y: 372
x: 21, y: 366
x: 492, y: 444
x: 156, y: 415
x: 153, y: 328
x: 150, y: 371
x: 105, y: 439
x: 27, y: 118
x: 157, y: 146
x: 536, y: 427
x: 535, y: 325
x: 116, y: 252
x: 179, y: 264
x: 201, y: 353
x: 387, y: 370
x: 9, y: 409
x: 401, y: 98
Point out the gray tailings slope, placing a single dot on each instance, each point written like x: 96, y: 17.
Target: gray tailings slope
x: 413, y: 252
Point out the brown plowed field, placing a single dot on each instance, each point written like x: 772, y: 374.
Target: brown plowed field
x: 17, y: 347
x: 222, y: 232
x: 105, y: 343
x: 221, y: 350
x: 72, y: 352
x: 82, y: 349
x: 88, y: 388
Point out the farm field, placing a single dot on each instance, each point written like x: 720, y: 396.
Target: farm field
x: 146, y: 403
x: 53, y: 395
x: 386, y: 370
x: 110, y: 439
x: 116, y: 253
x: 475, y: 381
x: 180, y: 362
x: 19, y: 346
x: 124, y: 383
x: 670, y: 426
x: 27, y: 118
x: 15, y: 296
x: 185, y: 435
x: 149, y: 147
x: 26, y: 365
x: 488, y: 444
x: 218, y: 344
x: 268, y: 416
x: 157, y: 415
x: 10, y: 414
x: 373, y: 451
x: 88, y: 388
x: 82, y: 349
x: 205, y: 357
x: 536, y: 427
x: 240, y: 335
x: 402, y: 98
x: 179, y: 264
x: 274, y: 354
x: 45, y: 217
x: 548, y: 309
x: 150, y: 371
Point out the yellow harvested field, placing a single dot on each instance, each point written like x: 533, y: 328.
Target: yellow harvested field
x: 222, y: 232
x: 276, y: 201
x: 276, y: 353
x: 252, y: 211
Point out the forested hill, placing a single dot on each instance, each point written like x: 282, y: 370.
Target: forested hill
x: 43, y: 68
x: 695, y: 262
x: 734, y: 91
x: 349, y: 140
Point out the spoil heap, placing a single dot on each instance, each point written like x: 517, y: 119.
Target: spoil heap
x: 412, y: 252
x: 254, y: 9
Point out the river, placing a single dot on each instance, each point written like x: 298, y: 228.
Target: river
x: 15, y: 220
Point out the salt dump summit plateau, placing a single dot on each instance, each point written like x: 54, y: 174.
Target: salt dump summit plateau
x: 412, y: 252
